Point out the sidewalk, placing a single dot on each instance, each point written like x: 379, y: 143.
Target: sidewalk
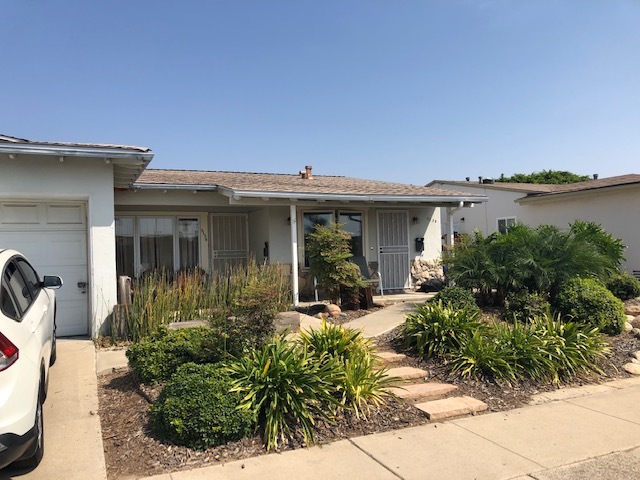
x: 592, y: 436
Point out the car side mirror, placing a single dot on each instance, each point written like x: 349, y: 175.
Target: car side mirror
x: 51, y: 281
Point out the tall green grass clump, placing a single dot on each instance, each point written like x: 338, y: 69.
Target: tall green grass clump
x: 250, y: 293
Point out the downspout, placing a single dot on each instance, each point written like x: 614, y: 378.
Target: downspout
x: 294, y: 255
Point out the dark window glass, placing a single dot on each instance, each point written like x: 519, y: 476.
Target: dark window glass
x: 19, y: 286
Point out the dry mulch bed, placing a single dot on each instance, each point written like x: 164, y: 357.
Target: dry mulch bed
x: 132, y: 450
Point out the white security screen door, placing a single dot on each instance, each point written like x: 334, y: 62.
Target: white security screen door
x: 229, y: 240
x: 393, y: 244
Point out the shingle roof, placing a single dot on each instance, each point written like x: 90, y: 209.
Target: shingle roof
x: 22, y: 141
x: 517, y: 187
x: 608, y: 182
x: 283, y: 183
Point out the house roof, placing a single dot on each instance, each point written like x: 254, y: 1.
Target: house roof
x: 128, y: 161
x: 274, y: 185
x: 21, y: 141
x: 516, y: 187
x: 589, y: 185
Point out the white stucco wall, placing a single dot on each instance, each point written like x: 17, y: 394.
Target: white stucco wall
x: 79, y: 179
x: 482, y: 217
x: 616, y: 210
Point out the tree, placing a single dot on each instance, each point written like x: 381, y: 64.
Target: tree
x: 554, y: 177
x: 329, y: 252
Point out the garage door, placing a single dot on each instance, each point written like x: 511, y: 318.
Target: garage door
x: 53, y: 236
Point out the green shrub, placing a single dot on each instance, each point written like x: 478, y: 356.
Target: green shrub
x: 439, y: 330
x: 525, y: 348
x: 196, y: 409
x: 624, y: 286
x: 360, y: 384
x: 457, y: 298
x: 285, y: 387
x: 588, y: 301
x: 521, y: 306
x: 572, y: 347
x: 157, y: 357
x: 479, y: 355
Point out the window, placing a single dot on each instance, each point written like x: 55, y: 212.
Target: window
x: 15, y: 282
x: 125, y: 259
x: 146, y: 243
x: 505, y: 223
x: 30, y: 276
x: 188, y: 243
x: 351, y: 223
x: 7, y: 304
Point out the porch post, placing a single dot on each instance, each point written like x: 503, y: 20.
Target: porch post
x: 294, y: 254
x: 450, y: 238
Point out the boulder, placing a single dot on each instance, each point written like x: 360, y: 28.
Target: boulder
x: 633, y: 310
x: 636, y: 332
x: 627, y: 327
x: 632, y: 368
x: 635, y: 322
x: 333, y: 310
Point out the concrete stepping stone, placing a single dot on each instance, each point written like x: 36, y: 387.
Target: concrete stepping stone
x: 391, y: 358
x: 451, y: 407
x: 407, y: 373
x: 421, y: 392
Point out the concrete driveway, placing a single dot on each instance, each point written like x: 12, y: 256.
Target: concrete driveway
x: 72, y: 436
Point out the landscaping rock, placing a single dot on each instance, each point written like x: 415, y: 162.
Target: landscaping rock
x: 632, y: 368
x: 630, y: 318
x: 636, y: 322
x: 633, y: 310
x: 333, y: 310
x: 635, y: 355
x: 427, y: 274
x: 636, y: 332
x: 627, y: 327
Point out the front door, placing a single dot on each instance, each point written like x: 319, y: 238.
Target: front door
x: 229, y: 240
x: 393, y: 244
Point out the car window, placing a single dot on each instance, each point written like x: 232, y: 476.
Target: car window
x: 29, y: 275
x: 7, y: 304
x: 16, y: 282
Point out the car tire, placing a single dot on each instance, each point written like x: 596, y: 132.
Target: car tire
x: 54, y: 349
x: 34, y: 460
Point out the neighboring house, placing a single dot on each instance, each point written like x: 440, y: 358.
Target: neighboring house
x: 91, y: 212
x: 613, y: 203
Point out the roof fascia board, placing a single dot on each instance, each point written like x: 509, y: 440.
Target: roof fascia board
x: 171, y: 186
x: 66, y: 151
x: 237, y: 194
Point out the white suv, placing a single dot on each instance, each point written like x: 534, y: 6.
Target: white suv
x: 27, y: 349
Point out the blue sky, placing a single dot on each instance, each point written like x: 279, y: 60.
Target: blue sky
x: 397, y: 90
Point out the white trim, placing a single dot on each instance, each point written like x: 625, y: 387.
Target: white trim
x: 506, y: 221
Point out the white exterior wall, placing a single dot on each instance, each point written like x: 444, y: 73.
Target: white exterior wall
x: 616, y: 210
x: 482, y: 217
x: 79, y: 179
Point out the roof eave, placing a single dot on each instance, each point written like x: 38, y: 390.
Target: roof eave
x: 350, y: 197
x: 122, y: 154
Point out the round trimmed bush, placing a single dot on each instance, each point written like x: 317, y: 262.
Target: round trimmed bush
x: 588, y: 301
x: 624, y: 286
x: 522, y: 306
x: 457, y: 298
x: 197, y: 409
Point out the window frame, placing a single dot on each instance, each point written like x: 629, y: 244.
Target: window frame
x: 175, y: 219
x: 5, y: 279
x: 508, y: 222
x: 335, y: 213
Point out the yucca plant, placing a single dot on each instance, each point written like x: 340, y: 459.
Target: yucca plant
x: 285, y: 387
x: 438, y: 330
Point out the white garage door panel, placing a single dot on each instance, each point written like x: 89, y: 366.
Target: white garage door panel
x: 56, y: 245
